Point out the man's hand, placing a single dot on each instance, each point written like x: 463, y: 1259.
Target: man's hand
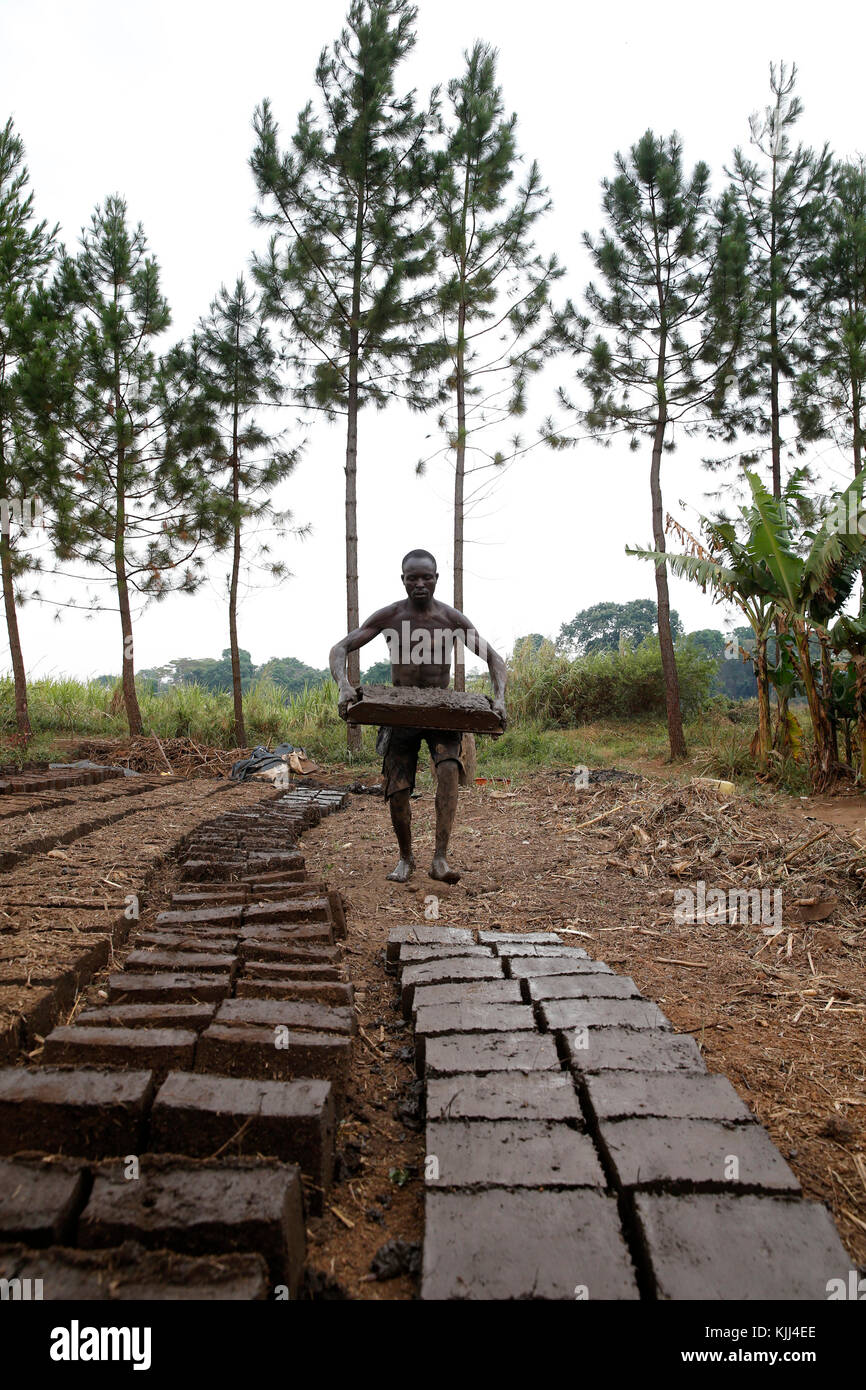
x: 499, y: 708
x: 348, y: 695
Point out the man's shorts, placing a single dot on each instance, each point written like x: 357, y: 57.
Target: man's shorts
x: 400, y: 749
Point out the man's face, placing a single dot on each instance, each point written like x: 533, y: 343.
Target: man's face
x: 419, y: 580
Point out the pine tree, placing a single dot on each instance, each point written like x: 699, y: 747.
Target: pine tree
x: 493, y: 287
x: 670, y: 268
x: 781, y: 197
x: 233, y: 363
x: 348, y: 264
x: 29, y: 467
x: 138, y: 516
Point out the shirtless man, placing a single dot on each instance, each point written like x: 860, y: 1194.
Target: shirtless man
x: 420, y: 632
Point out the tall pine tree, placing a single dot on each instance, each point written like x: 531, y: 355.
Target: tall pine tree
x: 29, y: 464
x: 493, y: 286
x: 351, y: 252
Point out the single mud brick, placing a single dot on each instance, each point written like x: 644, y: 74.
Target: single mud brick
x: 625, y: 1094
x: 196, y: 869
x: 226, y: 916
x: 39, y: 1201
x: 522, y: 1245
x: 37, y: 1010
x: 473, y: 991
x: 595, y: 986
x: 133, y: 1274
x: 158, y: 962
x: 267, y: 1013
x: 338, y: 913
x: 296, y: 875
x: 288, y: 910
x: 414, y: 707
x: 420, y: 955
x: 319, y: 933
x: 631, y: 1049
x: 425, y: 936
x: 497, y: 1153
x: 695, y: 1154
x: 199, y: 941
x: 469, y: 1017
x: 208, y: 897
x: 518, y: 951
x: 559, y: 1015
x: 311, y: 991
x: 192, y: 1016
x: 275, y: 971
x: 516, y: 938
x: 255, y: 949
x: 88, y: 1113
x: 490, y: 1052
x: 159, y: 1050
x: 512, y: 1095
x: 10, y: 1036
x: 254, y: 1051
x: 269, y: 861
x: 530, y: 966
x: 169, y: 988
x: 266, y: 892
x: 202, y: 1209
x: 293, y: 1121
x: 723, y: 1247
x: 450, y: 970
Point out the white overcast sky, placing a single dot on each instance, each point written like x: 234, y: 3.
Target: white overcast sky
x: 155, y: 99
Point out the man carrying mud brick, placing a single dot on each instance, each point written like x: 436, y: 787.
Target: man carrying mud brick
x: 420, y: 632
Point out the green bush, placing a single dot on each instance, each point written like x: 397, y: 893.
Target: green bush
x: 555, y: 691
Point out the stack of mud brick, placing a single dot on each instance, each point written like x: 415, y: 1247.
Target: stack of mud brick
x: 168, y: 1143
x: 578, y: 1148
x: 39, y: 777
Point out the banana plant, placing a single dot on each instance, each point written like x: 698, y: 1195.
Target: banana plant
x: 848, y: 637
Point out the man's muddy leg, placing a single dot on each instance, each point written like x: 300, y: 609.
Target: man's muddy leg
x: 401, y: 819
x: 447, y: 791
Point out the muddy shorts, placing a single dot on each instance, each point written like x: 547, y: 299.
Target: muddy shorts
x: 400, y: 748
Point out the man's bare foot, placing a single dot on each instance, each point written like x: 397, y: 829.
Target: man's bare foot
x: 405, y: 867
x: 441, y: 870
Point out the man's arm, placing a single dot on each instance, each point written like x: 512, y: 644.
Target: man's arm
x: 369, y: 629
x: 496, y: 666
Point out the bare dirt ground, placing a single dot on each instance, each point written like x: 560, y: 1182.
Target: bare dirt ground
x: 781, y: 1016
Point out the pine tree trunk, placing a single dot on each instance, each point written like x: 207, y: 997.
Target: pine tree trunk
x: 240, y: 733
x: 666, y: 641
x: 22, y: 717
x: 353, y: 619
x: 130, y: 695
x: 763, y: 700
x: 469, y: 750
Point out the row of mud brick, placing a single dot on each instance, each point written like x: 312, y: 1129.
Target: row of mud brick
x: 578, y: 1148
x: 169, y: 1143
x: 46, y: 779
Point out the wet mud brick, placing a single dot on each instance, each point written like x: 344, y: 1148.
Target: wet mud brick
x: 539, y: 1095
x: 425, y: 936
x: 94, y: 1114
x: 473, y: 992
x: 631, y: 1049
x: 693, y: 1154
x: 526, y: 968
x: 489, y: 1153
x: 318, y: 933
x: 168, y: 988
x: 594, y: 986
x: 159, y: 1050
x: 199, y: 941
x: 202, y: 1209
x: 293, y: 1121
x: 464, y: 1017
x: 290, y: 1013
x: 267, y: 971
x: 252, y: 1051
x: 523, y: 1245
x: 411, y: 707
x: 490, y: 1052
x: 193, y: 1016
x: 617, y: 1095
x: 420, y: 955
x: 560, y: 1014
x: 228, y: 916
x: 263, y: 950
x: 450, y: 970
x: 39, y: 1201
x: 723, y: 1247
x: 299, y: 991
x: 159, y: 962
x: 131, y: 1273
x: 516, y: 938
x: 289, y: 910
x: 518, y: 949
